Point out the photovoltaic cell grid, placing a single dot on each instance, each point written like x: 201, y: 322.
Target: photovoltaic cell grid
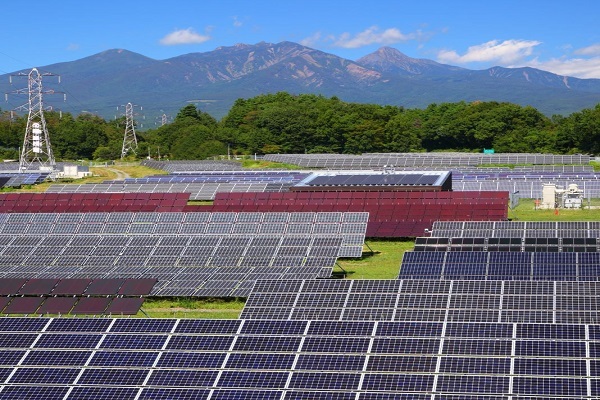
x: 193, y: 165
x: 391, y: 214
x: 73, y: 296
x: 501, y: 265
x: 350, y: 226
x: 195, y: 191
x: 201, y: 265
x: 519, y: 244
x: 516, y: 229
x: 528, y: 189
x: 270, y: 359
x: 366, y: 161
x: 412, y: 179
x: 413, y: 300
x: 91, y: 202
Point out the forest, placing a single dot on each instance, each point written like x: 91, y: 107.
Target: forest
x: 286, y: 123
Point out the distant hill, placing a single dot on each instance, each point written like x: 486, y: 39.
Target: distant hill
x: 215, y: 79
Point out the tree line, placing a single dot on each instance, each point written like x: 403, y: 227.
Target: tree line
x: 307, y: 123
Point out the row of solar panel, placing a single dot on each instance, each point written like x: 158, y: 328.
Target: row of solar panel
x: 519, y: 229
x: 507, y: 244
x: 501, y: 265
x: 241, y: 176
x: 401, y: 196
x: 396, y: 179
x: 71, y: 306
x: 197, y: 191
x: 75, y: 287
x: 302, y: 359
x: 16, y: 179
x: 92, y: 202
x: 458, y: 301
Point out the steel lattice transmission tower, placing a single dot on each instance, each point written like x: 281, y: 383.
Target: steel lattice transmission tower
x: 36, y: 143
x: 129, y: 139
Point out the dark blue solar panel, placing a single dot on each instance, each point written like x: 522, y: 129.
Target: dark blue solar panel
x: 266, y: 343
x: 22, y: 324
x: 172, y: 394
x: 345, y: 328
x: 79, y: 325
x: 479, y: 347
x: 401, y: 364
x: 539, y: 348
x: 34, y: 392
x: 57, y: 357
x: 182, y: 378
x: 410, y: 329
x: 190, y: 360
x: 401, y: 396
x: 113, y: 376
x: 96, y: 393
x: 571, y: 388
x: 253, y: 379
x: 235, y: 394
x: 473, y: 384
x: 200, y: 343
x: 550, y: 367
x: 45, y: 375
x: 324, y: 380
x: 123, y: 359
x: 142, y: 325
x: 405, y: 346
x: 4, y: 373
x: 335, y: 345
x: 260, y: 361
x: 475, y: 365
x: 313, y: 395
x: 10, y: 357
x: 8, y: 340
x: 207, y: 326
x: 274, y: 327
x: 134, y: 342
x: 398, y: 383
x: 68, y: 341
x: 479, y: 330
x: 329, y: 362
x: 550, y: 331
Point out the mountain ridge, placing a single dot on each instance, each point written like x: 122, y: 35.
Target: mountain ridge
x: 216, y: 79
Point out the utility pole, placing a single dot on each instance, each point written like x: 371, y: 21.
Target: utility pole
x: 36, y: 142
x: 129, y: 139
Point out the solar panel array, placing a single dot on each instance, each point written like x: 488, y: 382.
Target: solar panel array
x: 193, y: 165
x: 91, y: 202
x: 267, y: 359
x: 366, y: 161
x: 391, y: 214
x: 196, y: 191
x: 191, y: 254
x: 73, y: 296
x: 501, y: 265
x: 396, y: 180
x: 350, y: 227
x: 553, y: 244
x: 529, y: 189
x: 220, y: 177
x: 16, y: 179
x: 415, y: 301
x: 516, y: 229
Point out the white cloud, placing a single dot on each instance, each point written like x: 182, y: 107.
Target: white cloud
x: 183, y: 36
x: 311, y: 41
x: 575, y: 67
x: 593, y: 50
x: 236, y: 22
x: 502, y: 53
x: 372, y: 35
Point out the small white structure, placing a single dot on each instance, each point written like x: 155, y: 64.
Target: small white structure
x: 75, y: 172
x: 554, y: 197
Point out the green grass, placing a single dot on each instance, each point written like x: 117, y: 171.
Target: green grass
x: 185, y: 307
x: 382, y: 263
x: 526, y: 211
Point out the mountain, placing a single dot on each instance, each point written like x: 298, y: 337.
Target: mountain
x: 214, y: 80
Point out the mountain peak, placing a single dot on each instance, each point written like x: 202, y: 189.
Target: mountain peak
x: 390, y: 60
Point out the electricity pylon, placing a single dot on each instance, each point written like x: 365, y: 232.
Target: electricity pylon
x: 36, y: 143
x: 129, y: 139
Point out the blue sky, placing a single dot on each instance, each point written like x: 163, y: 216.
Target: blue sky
x: 562, y: 37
